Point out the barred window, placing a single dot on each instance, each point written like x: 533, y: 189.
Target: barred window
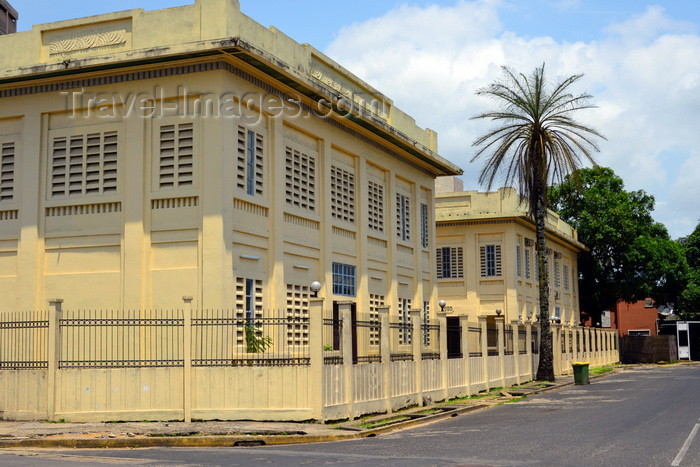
x: 300, y: 176
x: 450, y: 262
x: 249, y: 304
x: 490, y: 256
x: 527, y: 263
x: 565, y: 275
x: 557, y: 275
x: 250, y: 162
x: 403, y: 217
x: 518, y: 261
x: 249, y: 296
x: 342, y: 194
x: 343, y: 279
x: 375, y: 206
x: 84, y: 165
x: 424, y: 225
x: 426, y: 322
x: 176, y: 162
x: 7, y: 171
x: 404, y: 318
x: 297, y: 309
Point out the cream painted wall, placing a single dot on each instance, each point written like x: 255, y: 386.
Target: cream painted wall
x: 101, y: 215
x: 469, y: 220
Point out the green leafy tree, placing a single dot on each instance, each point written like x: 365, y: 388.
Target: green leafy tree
x: 689, y: 303
x: 630, y: 256
x: 536, y: 141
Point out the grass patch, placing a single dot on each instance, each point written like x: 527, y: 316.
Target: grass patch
x: 600, y: 370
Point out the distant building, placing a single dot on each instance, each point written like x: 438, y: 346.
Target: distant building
x: 638, y: 318
x: 8, y: 18
x: 487, y: 263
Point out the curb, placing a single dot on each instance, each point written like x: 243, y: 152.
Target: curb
x: 243, y: 440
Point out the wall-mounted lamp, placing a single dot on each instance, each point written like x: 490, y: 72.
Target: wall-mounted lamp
x: 442, y: 304
x: 315, y: 287
x: 498, y: 312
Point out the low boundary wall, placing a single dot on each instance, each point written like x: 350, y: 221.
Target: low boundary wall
x: 190, y: 364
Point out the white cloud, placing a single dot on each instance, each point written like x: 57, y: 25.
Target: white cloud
x: 645, y: 78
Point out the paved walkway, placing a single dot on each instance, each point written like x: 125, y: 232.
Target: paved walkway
x: 15, y: 434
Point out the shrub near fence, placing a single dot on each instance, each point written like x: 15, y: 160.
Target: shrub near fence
x: 219, y: 364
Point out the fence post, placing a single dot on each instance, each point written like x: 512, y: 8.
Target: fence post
x: 385, y: 350
x: 566, y: 356
x: 187, y: 380
x: 317, y: 391
x: 528, y: 349
x: 500, y: 326
x: 485, y: 350
x: 577, y: 344
x: 556, y: 347
x: 464, y: 326
x: 345, y: 313
x: 442, y: 340
x: 515, y: 337
x: 55, y: 309
x: 416, y: 343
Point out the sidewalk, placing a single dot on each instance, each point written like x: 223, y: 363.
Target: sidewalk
x: 15, y: 434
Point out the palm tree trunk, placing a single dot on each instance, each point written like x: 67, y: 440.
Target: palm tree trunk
x: 545, y: 369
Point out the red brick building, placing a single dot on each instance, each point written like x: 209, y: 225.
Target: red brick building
x: 638, y: 318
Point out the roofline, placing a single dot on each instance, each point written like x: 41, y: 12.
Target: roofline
x: 237, y: 48
x: 520, y: 219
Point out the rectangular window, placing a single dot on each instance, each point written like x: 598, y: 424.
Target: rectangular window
x: 84, y: 165
x: 450, y: 262
x: 557, y: 275
x: 342, y: 194
x: 343, y: 279
x: 249, y: 299
x: 490, y: 256
x: 176, y: 156
x: 403, y: 217
x: 565, y: 275
x: 518, y: 261
x: 375, y: 206
x: 527, y: 263
x: 424, y: 225
x: 249, y: 307
x: 300, y: 177
x: 7, y: 171
x: 250, y: 162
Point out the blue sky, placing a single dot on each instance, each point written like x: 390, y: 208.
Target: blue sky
x: 641, y: 62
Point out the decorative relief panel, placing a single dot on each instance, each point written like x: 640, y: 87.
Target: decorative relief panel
x: 88, y: 41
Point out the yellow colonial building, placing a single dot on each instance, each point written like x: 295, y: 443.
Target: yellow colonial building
x: 190, y: 152
x: 486, y: 261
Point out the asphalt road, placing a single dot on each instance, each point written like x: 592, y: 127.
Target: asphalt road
x: 648, y: 416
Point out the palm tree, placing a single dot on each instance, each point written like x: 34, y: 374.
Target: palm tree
x: 536, y: 142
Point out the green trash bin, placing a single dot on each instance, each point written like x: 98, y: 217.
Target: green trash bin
x: 580, y: 373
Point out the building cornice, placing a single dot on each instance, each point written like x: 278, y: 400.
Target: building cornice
x: 51, y: 77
